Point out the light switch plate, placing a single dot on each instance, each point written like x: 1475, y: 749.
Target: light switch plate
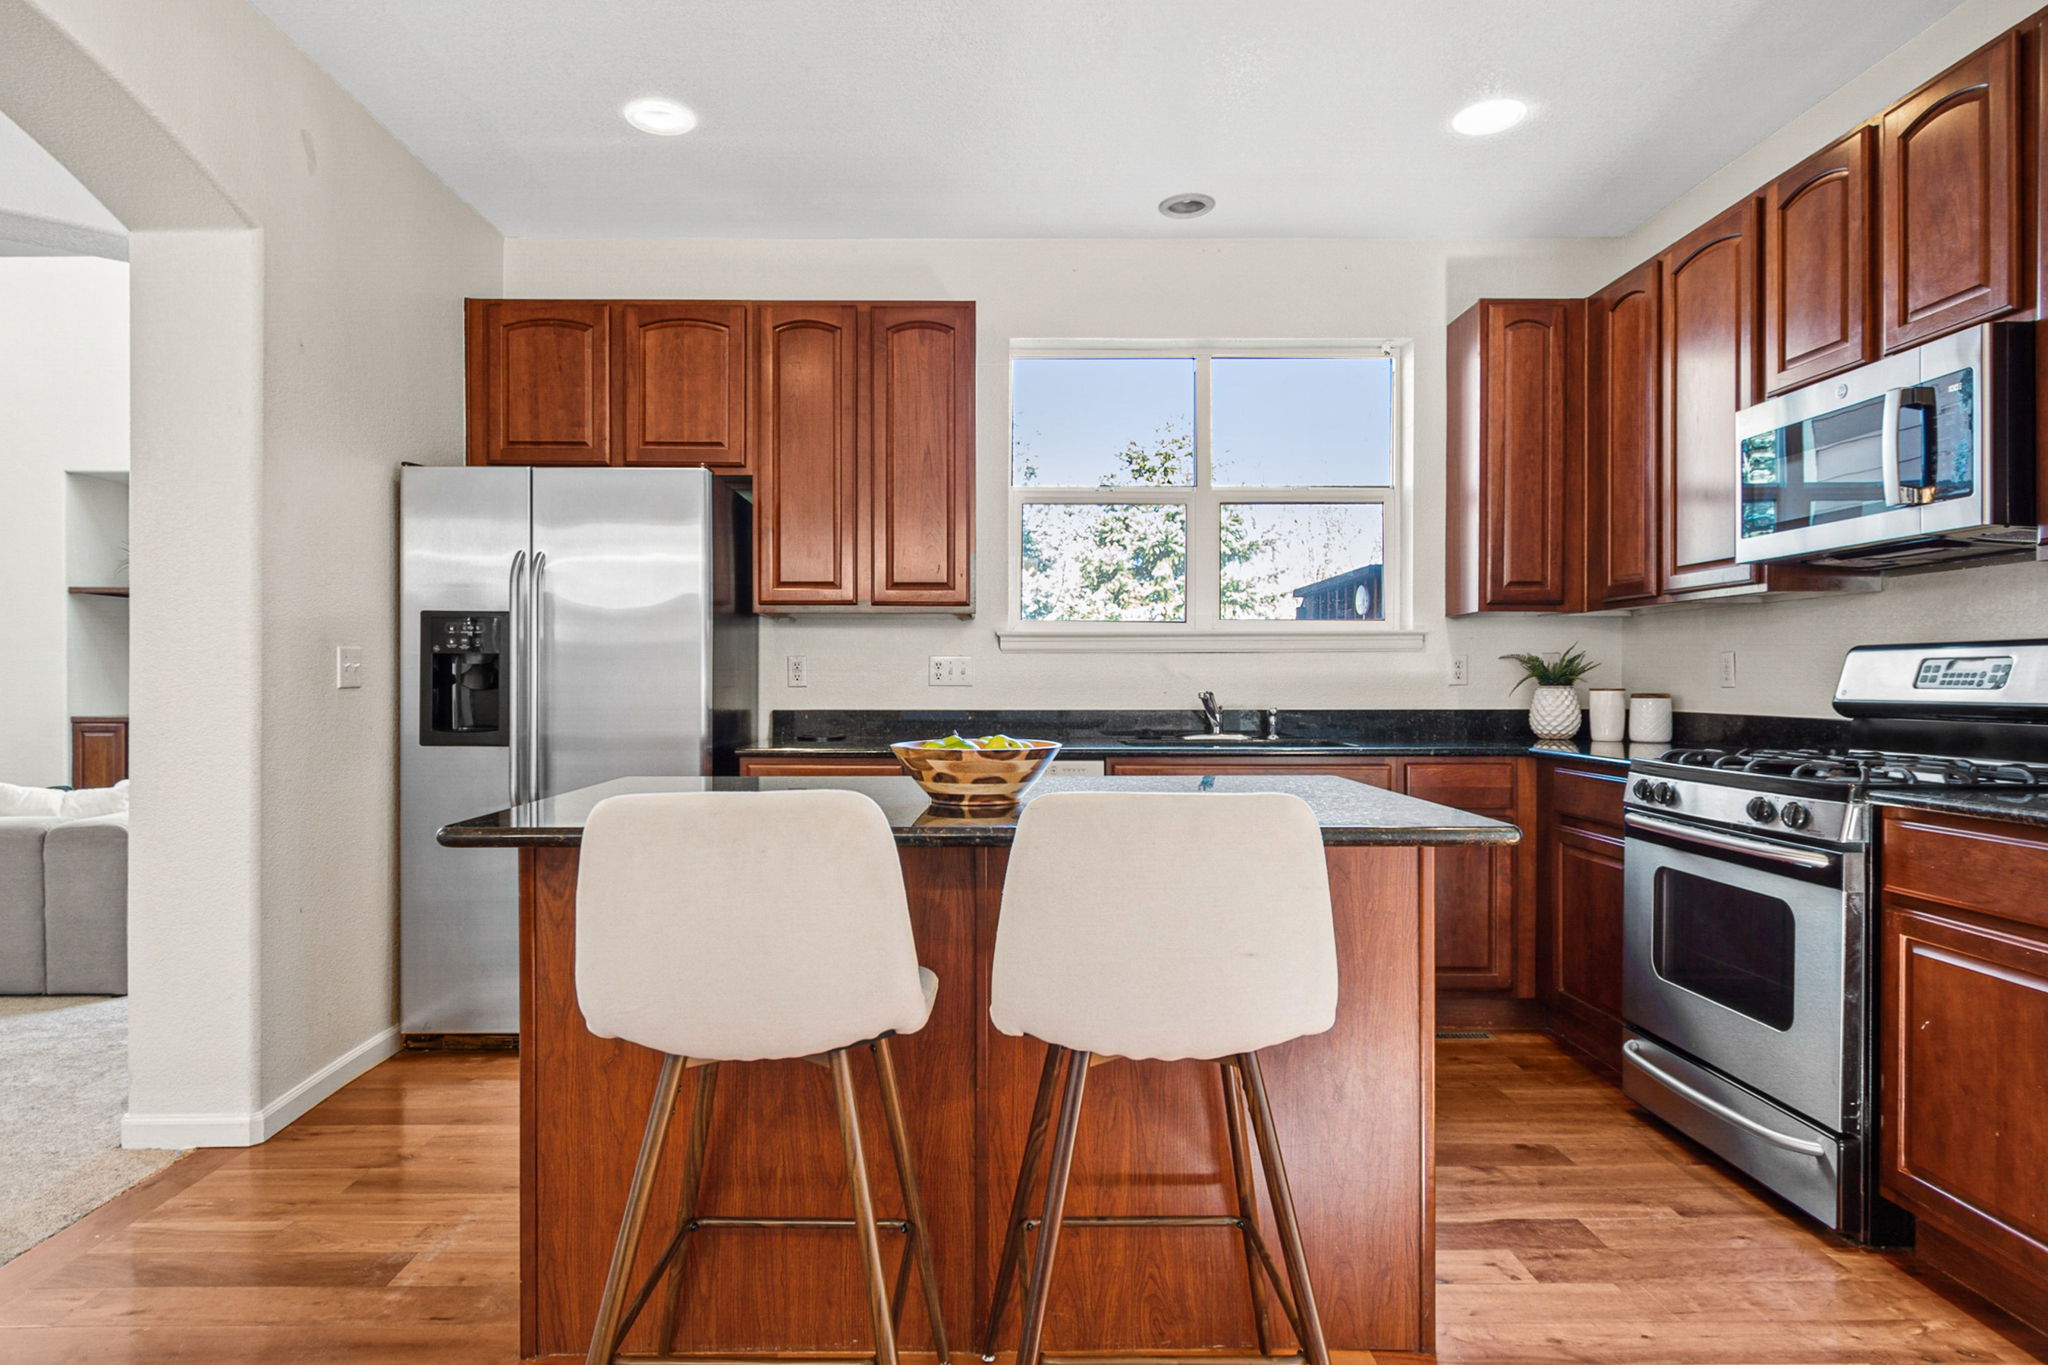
x: 348, y: 666
x: 951, y: 670
x: 1727, y: 668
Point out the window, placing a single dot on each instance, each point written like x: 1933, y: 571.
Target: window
x: 1215, y: 497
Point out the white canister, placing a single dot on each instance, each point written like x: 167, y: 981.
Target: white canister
x: 1608, y: 709
x: 1649, y: 718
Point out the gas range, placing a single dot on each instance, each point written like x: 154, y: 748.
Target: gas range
x: 1808, y: 793
x: 1749, y: 985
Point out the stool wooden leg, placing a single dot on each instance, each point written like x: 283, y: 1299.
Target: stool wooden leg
x: 863, y: 1210
x: 1020, y: 1202
x: 692, y: 1199
x: 1031, y: 1346
x: 913, y: 1196
x: 1311, y: 1324
x: 1247, y: 1202
x: 604, y: 1343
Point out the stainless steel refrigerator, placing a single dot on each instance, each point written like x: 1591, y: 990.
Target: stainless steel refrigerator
x: 557, y: 628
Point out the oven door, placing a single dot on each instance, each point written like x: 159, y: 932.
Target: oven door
x: 1736, y: 952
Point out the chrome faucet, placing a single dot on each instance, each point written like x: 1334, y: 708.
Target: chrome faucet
x: 1212, y: 713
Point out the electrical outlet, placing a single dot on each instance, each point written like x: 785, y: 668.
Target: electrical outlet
x: 799, y: 670
x: 1727, y: 668
x: 1461, y: 669
x: 348, y: 666
x: 1551, y: 656
x: 950, y: 670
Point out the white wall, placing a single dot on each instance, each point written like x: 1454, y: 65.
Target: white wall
x: 63, y: 405
x: 297, y: 278
x: 1788, y: 653
x: 1135, y: 289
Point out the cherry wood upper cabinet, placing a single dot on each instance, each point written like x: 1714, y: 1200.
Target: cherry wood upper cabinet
x: 807, y: 482
x: 920, y: 453
x: 1819, y: 275
x: 1515, y: 430
x: 682, y: 384
x: 1709, y: 357
x: 1954, y: 212
x: 1624, y: 435
x: 539, y: 382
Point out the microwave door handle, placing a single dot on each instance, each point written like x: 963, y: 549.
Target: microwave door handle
x: 1888, y: 448
x: 1803, y: 1146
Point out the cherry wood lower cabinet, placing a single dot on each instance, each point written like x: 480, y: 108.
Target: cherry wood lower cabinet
x: 1964, y: 956
x: 823, y: 765
x: 99, y: 750
x: 1579, y: 844
x: 1485, y: 897
x: 1353, y: 1106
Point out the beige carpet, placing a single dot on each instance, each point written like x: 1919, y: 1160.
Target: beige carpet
x: 63, y: 1085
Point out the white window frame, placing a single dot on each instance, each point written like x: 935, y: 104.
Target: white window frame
x: 1205, y: 631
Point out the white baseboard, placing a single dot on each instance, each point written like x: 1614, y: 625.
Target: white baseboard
x: 249, y: 1129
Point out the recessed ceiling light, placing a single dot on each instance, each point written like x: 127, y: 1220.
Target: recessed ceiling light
x: 1187, y: 205
x: 663, y: 118
x: 1488, y: 117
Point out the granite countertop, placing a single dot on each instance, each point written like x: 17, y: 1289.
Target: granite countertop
x: 1351, y: 813
x: 2026, y: 806
x: 1090, y: 749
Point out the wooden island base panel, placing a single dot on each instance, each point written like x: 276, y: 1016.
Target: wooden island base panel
x: 1353, y: 1106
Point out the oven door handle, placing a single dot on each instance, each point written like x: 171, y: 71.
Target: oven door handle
x: 1730, y: 843
x: 1633, y: 1050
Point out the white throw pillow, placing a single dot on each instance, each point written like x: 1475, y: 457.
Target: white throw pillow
x: 31, y: 800
x: 95, y: 801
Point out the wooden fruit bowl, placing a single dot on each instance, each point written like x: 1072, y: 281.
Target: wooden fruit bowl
x: 975, y: 779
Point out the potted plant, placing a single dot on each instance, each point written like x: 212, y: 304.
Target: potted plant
x: 1554, y: 709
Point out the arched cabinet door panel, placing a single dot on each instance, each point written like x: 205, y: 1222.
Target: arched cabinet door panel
x: 683, y: 385
x: 540, y: 382
x: 920, y: 463
x: 1624, y: 441
x: 806, y: 491
x: 1953, y: 212
x: 1819, y: 276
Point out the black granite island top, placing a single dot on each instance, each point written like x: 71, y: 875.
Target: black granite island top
x: 2025, y: 806
x: 1351, y: 813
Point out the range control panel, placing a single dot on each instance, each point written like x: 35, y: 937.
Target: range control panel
x: 1986, y: 673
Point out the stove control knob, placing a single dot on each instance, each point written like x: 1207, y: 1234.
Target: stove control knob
x: 1795, y: 815
x: 1761, y: 810
x: 1643, y: 790
x: 1664, y: 794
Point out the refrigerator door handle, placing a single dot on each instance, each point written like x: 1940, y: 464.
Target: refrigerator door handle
x: 534, y: 580
x: 514, y: 587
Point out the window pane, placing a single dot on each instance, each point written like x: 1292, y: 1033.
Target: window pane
x: 1102, y: 422
x: 1104, y: 562
x: 1302, y: 562
x: 1302, y: 422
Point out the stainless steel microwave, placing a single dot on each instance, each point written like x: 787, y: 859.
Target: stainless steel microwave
x: 1918, y: 458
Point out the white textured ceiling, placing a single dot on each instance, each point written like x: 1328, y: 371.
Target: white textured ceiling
x: 1073, y: 118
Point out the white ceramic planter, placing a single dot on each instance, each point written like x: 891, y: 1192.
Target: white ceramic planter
x: 1554, y: 713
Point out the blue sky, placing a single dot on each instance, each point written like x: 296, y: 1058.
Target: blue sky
x: 1278, y: 421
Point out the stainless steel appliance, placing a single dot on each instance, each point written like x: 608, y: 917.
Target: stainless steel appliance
x: 558, y: 628
x: 1921, y: 457
x: 1748, y: 926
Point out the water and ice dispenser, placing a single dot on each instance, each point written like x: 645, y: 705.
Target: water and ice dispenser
x: 465, y: 677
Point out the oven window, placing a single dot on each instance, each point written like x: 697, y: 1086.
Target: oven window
x: 1729, y: 944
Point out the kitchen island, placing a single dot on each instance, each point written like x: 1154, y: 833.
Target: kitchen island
x: 1353, y: 1106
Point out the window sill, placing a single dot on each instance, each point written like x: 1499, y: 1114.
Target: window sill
x: 1141, y: 640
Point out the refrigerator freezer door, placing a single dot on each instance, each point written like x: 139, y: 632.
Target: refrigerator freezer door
x: 623, y: 635
x: 459, y: 529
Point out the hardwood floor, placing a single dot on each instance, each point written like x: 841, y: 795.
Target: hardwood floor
x: 1570, y: 1228
x: 382, y: 1228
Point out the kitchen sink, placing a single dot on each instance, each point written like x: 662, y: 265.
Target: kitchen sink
x: 1232, y: 741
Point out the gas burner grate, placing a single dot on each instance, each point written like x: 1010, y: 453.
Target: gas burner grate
x: 1865, y: 767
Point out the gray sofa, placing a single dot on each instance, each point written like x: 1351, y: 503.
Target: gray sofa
x: 63, y: 905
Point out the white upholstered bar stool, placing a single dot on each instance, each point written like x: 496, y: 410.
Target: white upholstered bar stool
x: 723, y: 927
x: 1167, y: 927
